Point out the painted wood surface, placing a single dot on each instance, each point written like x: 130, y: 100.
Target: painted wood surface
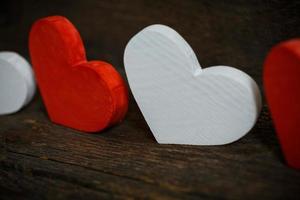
x: 84, y: 95
x: 17, y: 84
x: 41, y: 160
x: 181, y: 102
x: 282, y: 86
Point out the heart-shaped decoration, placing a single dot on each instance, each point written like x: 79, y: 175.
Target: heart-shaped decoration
x: 182, y: 103
x: 17, y: 85
x: 88, y: 96
x: 282, y: 88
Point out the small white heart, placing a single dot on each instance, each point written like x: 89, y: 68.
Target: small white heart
x: 183, y: 103
x: 17, y: 85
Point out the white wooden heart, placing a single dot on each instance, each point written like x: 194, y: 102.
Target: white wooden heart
x: 181, y: 102
x: 17, y: 85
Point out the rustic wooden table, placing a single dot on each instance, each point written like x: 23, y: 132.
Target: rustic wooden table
x: 41, y: 160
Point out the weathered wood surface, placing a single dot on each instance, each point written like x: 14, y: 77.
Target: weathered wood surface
x: 42, y: 160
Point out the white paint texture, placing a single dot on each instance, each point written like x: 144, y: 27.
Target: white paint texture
x: 183, y: 103
x: 17, y: 85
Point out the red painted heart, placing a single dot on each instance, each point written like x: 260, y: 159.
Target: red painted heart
x: 87, y: 96
x: 282, y: 87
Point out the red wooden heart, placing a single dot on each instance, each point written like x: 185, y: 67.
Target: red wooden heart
x: 282, y: 87
x: 87, y: 96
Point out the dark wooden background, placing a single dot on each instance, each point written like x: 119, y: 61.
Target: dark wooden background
x: 41, y: 160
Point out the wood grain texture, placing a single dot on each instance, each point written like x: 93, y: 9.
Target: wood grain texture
x: 181, y: 102
x: 41, y: 160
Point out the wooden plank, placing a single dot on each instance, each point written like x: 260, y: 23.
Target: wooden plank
x: 168, y: 170
x: 28, y: 173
